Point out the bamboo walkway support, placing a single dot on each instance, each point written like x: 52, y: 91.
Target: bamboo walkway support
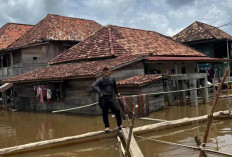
x: 132, y: 147
x: 121, y: 150
x: 91, y: 136
x: 210, y: 116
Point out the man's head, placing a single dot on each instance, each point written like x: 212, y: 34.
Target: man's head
x: 105, y: 72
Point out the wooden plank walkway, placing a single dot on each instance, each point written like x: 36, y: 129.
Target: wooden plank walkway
x: 91, y: 136
x: 134, y: 148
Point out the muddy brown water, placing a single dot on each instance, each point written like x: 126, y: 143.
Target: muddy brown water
x: 18, y: 128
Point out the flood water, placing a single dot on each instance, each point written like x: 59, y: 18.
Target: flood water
x: 18, y: 128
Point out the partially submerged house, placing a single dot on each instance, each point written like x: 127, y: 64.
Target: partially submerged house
x: 127, y: 52
x: 141, y: 84
x: 41, y: 43
x: 209, y: 40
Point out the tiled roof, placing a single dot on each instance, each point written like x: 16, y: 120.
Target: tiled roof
x: 140, y: 79
x: 200, y: 31
x: 55, y: 27
x: 10, y: 32
x: 115, y: 40
x: 73, y: 70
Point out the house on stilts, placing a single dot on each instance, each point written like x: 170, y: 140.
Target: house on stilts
x: 211, y: 41
x: 135, y: 58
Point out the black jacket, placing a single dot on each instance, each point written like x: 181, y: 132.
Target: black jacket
x: 105, y: 86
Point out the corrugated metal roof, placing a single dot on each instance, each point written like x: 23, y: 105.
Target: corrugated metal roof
x: 199, y: 59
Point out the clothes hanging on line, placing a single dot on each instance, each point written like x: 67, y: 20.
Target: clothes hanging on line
x: 127, y: 105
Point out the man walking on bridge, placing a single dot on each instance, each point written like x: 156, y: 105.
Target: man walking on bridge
x: 106, y: 87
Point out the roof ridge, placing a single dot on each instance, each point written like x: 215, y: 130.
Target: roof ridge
x: 110, y: 41
x: 59, y: 62
x: 70, y: 17
x: 185, y: 28
x: 20, y: 23
x: 133, y: 28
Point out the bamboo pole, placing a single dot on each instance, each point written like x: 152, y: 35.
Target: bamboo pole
x: 75, y: 108
x: 210, y: 116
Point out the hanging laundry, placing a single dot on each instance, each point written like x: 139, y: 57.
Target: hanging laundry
x: 54, y: 93
x: 43, y: 93
x: 35, y: 90
x: 49, y: 95
x: 38, y: 91
x: 127, y: 105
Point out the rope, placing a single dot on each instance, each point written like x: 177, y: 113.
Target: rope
x: 177, y: 91
x: 75, y: 108
x: 181, y: 145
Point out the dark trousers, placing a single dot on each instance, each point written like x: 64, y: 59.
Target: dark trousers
x: 109, y: 102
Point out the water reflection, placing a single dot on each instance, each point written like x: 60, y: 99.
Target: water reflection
x: 24, y: 127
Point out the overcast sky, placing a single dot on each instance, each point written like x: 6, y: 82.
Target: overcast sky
x: 164, y: 16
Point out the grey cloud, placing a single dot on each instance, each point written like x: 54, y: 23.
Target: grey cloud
x: 179, y: 3
x: 164, y: 16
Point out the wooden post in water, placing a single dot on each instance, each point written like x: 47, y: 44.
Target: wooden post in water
x: 130, y: 132
x: 193, y: 93
x: 182, y: 95
x: 205, y: 93
x: 210, y: 116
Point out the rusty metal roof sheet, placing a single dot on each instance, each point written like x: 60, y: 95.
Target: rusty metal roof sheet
x: 55, y: 27
x: 200, y: 31
x: 198, y: 59
x: 115, y: 41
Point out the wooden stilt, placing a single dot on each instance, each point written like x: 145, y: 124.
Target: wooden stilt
x: 193, y: 93
x: 210, y: 116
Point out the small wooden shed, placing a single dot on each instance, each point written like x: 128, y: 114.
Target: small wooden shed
x: 142, y: 84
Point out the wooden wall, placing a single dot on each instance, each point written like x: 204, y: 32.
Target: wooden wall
x: 76, y: 93
x: 43, y: 53
x: 128, y: 71
x: 190, y: 67
x: 155, y: 102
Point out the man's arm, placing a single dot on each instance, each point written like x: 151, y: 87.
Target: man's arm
x: 115, y: 87
x: 95, y: 86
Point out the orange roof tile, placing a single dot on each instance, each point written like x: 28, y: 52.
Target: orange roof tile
x: 140, y: 79
x: 55, y: 27
x: 73, y: 70
x: 200, y: 31
x: 116, y: 41
x: 10, y: 32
